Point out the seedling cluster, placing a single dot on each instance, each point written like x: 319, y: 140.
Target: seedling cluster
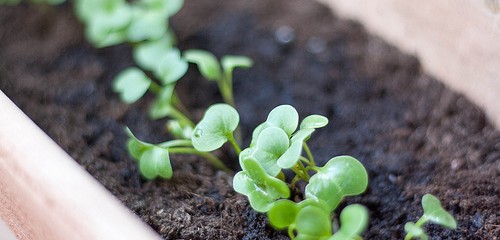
x: 278, y: 146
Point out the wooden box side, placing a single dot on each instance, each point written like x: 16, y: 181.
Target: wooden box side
x: 45, y: 194
x: 458, y: 41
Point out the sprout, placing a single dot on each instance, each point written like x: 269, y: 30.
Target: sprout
x: 211, y: 69
x: 434, y: 213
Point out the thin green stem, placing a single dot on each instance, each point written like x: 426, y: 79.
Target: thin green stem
x: 309, y: 154
x: 421, y: 221
x: 226, y: 92
x: 155, y: 87
x: 303, y: 159
x: 176, y: 101
x: 179, y: 116
x: 234, y: 143
x: 304, y: 171
x: 212, y: 159
x: 176, y: 143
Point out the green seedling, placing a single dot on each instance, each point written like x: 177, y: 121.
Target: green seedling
x: 277, y: 145
x: 221, y: 72
x: 154, y: 159
x: 112, y: 22
x: 434, y: 213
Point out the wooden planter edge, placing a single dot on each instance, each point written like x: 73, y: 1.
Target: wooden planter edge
x: 45, y: 194
x: 458, y: 41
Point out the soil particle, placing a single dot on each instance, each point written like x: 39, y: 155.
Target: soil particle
x: 413, y: 135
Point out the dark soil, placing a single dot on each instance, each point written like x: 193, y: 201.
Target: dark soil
x: 413, y: 135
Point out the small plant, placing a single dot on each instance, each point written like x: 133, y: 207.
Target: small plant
x: 221, y: 72
x: 276, y: 146
x: 434, y: 213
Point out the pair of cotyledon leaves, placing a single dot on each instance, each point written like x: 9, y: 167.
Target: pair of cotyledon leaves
x: 309, y: 220
x: 110, y: 22
x: 210, y: 67
x: 434, y: 213
x: 154, y: 160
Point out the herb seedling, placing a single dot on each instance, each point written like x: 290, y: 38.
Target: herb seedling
x: 277, y: 145
x: 434, y: 213
x: 221, y: 72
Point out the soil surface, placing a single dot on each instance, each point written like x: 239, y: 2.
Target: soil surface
x: 413, y: 135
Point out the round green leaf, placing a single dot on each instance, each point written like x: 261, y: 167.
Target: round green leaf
x: 314, y: 121
x: 271, y: 145
x: 216, y: 126
x: 353, y: 222
x: 155, y: 162
x: 294, y: 151
x: 313, y: 223
x: 207, y: 63
x: 171, y: 67
x: 284, y: 117
x: 341, y: 176
x: 434, y: 212
x: 146, y: 24
x: 131, y: 84
x: 283, y: 214
x: 147, y: 54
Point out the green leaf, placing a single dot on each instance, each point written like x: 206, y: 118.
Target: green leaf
x: 162, y: 106
x: 271, y: 145
x: 171, y: 67
x: 168, y: 8
x: 434, y: 212
x: 282, y: 214
x: 341, y: 176
x: 353, y: 222
x: 155, y: 162
x: 146, y: 25
x: 135, y: 146
x: 230, y: 62
x: 107, y: 26
x: 284, y: 117
x: 207, y: 63
x: 294, y: 151
x: 131, y: 84
x: 415, y: 231
x: 313, y: 223
x: 314, y: 121
x: 147, y: 54
x: 215, y: 128
x: 261, y: 189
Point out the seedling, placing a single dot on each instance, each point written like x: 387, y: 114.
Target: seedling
x: 221, y: 72
x: 154, y: 159
x: 434, y: 213
x: 276, y: 146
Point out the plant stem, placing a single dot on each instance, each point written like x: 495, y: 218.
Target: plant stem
x: 421, y: 221
x: 236, y: 147
x: 309, y: 154
x: 305, y: 174
x: 176, y: 143
x: 179, y: 116
x: 303, y: 159
x: 212, y: 159
x: 155, y: 87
